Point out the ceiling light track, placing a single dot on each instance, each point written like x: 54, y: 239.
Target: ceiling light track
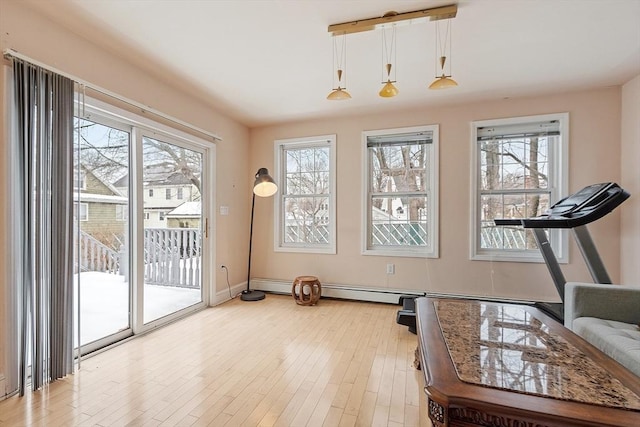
x: 433, y: 14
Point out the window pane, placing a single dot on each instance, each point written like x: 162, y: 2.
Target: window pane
x: 398, y: 168
x: 307, y: 171
x: 101, y: 158
x: 516, y: 163
x: 173, y: 241
x: 399, y: 221
x: 307, y: 220
x: 509, y: 206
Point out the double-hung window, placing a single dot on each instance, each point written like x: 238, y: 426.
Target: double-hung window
x: 401, y: 192
x: 519, y: 170
x: 305, y: 208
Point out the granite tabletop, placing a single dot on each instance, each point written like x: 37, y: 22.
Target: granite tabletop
x: 505, y: 346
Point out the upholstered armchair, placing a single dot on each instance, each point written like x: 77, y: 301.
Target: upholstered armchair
x: 608, y: 317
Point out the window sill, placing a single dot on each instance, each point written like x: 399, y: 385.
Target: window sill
x: 400, y: 253
x: 502, y: 257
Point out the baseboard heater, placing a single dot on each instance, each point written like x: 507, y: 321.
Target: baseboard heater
x: 406, y: 316
x: 390, y: 296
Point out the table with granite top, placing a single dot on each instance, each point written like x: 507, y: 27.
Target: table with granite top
x: 508, y: 365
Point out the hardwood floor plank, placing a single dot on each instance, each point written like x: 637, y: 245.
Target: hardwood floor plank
x: 274, y: 363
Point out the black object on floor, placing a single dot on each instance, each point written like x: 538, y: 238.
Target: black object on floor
x: 407, y: 316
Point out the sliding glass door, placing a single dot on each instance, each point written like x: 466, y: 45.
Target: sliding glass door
x: 139, y: 219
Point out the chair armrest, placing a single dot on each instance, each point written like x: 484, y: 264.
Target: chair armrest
x: 612, y: 302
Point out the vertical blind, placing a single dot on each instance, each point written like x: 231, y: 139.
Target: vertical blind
x: 43, y: 129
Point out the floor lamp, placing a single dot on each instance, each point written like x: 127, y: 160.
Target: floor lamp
x: 264, y: 186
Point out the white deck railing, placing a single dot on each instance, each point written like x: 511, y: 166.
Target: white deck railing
x: 172, y: 257
x: 93, y: 255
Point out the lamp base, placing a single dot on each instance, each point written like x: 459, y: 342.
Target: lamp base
x: 252, y: 295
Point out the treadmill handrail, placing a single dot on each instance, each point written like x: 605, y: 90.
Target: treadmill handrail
x: 603, y: 200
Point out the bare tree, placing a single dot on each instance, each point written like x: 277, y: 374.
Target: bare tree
x: 105, y: 151
x: 513, y: 165
x: 403, y: 168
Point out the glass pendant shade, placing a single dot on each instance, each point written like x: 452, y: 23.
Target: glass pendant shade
x: 264, y: 185
x: 443, y: 82
x: 388, y: 90
x: 339, y: 94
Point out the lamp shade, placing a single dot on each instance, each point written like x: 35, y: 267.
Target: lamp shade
x: 264, y: 185
x: 388, y: 90
x: 338, y: 94
x: 443, y: 82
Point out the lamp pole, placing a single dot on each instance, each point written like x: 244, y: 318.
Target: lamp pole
x: 264, y: 186
x: 248, y: 294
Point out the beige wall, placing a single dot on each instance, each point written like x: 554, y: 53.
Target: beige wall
x: 31, y: 34
x: 594, y: 157
x: 630, y: 181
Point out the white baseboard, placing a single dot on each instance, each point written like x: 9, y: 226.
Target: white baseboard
x: 390, y: 296
x: 223, y: 296
x: 384, y: 295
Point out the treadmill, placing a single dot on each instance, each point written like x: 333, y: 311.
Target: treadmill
x: 574, y: 212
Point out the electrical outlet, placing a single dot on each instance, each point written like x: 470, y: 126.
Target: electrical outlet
x: 391, y: 269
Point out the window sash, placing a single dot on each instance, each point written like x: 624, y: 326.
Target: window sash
x: 83, y: 211
x: 305, y: 204
x: 406, y: 225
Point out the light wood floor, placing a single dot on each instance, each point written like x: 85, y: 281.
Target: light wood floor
x: 267, y: 363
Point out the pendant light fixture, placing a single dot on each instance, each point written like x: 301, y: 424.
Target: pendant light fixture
x: 340, y: 61
x: 444, y: 81
x: 387, y: 25
x: 389, y: 52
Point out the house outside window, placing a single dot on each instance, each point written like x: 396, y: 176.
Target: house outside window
x: 400, y: 196
x: 161, y: 215
x: 305, y: 207
x: 168, y: 194
x: 180, y: 191
x: 519, y: 170
x: 151, y: 192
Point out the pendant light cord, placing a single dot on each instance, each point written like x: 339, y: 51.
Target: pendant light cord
x: 388, y: 50
x: 442, y: 44
x: 340, y: 57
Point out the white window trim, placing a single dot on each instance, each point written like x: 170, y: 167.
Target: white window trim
x: 124, y: 210
x: 433, y: 209
x: 83, y: 179
x: 279, y: 145
x: 558, y: 181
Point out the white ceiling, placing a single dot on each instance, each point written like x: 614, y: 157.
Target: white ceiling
x: 269, y: 61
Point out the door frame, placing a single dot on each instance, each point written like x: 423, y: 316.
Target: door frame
x: 143, y: 126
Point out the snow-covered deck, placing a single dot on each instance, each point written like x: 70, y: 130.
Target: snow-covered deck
x: 104, y: 308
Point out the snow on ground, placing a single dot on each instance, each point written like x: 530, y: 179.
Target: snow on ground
x: 104, y: 307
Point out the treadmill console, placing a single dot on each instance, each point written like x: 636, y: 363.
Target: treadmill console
x: 587, y: 205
